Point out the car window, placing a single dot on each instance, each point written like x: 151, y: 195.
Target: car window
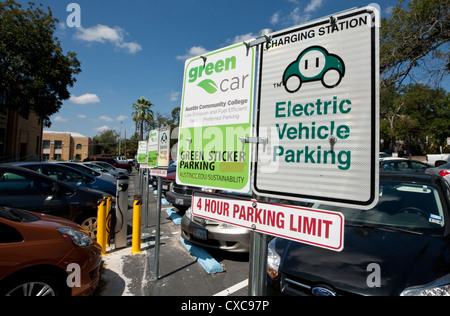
x: 9, y: 234
x: 407, y: 205
x: 12, y: 183
x: 65, y: 174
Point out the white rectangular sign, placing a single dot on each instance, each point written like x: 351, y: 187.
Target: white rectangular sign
x: 319, y: 111
x: 164, y: 147
x: 319, y: 228
x: 158, y: 173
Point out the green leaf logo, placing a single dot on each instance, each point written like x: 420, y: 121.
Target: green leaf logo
x: 208, y: 85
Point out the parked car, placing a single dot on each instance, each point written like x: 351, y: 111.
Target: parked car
x: 86, y: 169
x: 120, y: 171
x: 26, y: 189
x: 437, y: 160
x: 400, y: 247
x: 93, y: 165
x: 212, y: 234
x: 36, y: 254
x: 442, y: 170
x: 113, y: 162
x: 402, y: 165
x: 70, y: 175
x: 180, y: 195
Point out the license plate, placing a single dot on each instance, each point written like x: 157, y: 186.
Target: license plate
x: 200, y: 234
x: 179, y: 201
x: 165, y: 187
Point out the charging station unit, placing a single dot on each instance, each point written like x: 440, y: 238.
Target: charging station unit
x: 121, y: 212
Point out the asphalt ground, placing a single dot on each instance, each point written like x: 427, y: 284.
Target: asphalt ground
x: 180, y: 273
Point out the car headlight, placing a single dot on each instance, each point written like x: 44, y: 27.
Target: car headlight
x: 273, y: 260
x: 440, y: 287
x: 75, y: 237
x: 188, y: 214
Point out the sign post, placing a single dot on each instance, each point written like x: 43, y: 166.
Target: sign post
x: 215, y: 118
x: 319, y: 111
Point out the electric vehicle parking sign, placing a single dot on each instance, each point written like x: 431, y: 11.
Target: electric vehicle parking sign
x: 319, y: 111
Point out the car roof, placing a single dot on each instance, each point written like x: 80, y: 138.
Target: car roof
x: 409, y: 177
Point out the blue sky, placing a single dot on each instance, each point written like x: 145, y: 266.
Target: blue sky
x: 130, y: 49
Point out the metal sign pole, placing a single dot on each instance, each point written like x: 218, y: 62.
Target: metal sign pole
x: 158, y: 230
x: 258, y: 264
x: 258, y: 242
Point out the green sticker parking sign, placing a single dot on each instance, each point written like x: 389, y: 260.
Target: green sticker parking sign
x: 216, y: 113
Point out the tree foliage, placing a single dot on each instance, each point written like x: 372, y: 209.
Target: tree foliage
x: 412, y: 38
x: 34, y: 71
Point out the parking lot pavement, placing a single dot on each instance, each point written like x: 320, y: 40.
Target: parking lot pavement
x: 180, y: 273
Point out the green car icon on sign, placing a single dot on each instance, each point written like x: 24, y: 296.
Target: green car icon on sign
x: 314, y: 64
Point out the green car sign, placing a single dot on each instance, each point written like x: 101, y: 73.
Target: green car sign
x: 314, y: 64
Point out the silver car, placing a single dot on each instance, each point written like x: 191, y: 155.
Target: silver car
x: 212, y: 234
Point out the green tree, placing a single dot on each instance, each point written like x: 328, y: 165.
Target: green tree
x: 107, y: 142
x: 34, y: 72
x: 142, y: 114
x: 411, y: 39
x: 417, y: 114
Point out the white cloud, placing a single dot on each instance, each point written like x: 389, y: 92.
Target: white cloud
x: 122, y: 118
x: 87, y: 98
x: 298, y: 15
x: 105, y: 118
x: 275, y: 18
x: 241, y: 38
x: 193, y: 52
x: 314, y: 5
x: 174, y: 95
x: 102, y: 129
x: 60, y: 119
x: 81, y: 116
x: 103, y: 33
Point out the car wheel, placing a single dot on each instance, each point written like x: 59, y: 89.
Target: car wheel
x: 34, y: 286
x: 90, y: 225
x: 331, y: 78
x: 293, y: 84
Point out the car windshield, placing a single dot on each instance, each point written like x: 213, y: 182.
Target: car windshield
x: 403, y: 206
x: 17, y: 215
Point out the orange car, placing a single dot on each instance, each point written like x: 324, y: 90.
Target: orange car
x: 42, y: 255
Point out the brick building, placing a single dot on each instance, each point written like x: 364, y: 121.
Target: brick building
x: 66, y: 146
x: 20, y: 136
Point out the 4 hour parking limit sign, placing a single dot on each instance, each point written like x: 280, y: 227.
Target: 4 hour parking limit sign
x: 319, y: 111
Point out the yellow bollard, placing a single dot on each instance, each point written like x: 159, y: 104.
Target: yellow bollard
x: 108, y: 211
x: 101, y: 225
x: 136, y: 243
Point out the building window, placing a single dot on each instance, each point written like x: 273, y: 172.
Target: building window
x: 46, y: 144
x: 58, y: 144
x: 79, y: 147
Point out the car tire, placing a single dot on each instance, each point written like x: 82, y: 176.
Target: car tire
x: 31, y: 285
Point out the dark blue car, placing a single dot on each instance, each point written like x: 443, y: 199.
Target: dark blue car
x: 400, y: 247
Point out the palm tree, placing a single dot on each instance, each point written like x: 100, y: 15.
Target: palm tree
x: 142, y: 114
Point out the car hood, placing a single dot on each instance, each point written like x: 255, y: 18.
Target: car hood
x: 401, y: 260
